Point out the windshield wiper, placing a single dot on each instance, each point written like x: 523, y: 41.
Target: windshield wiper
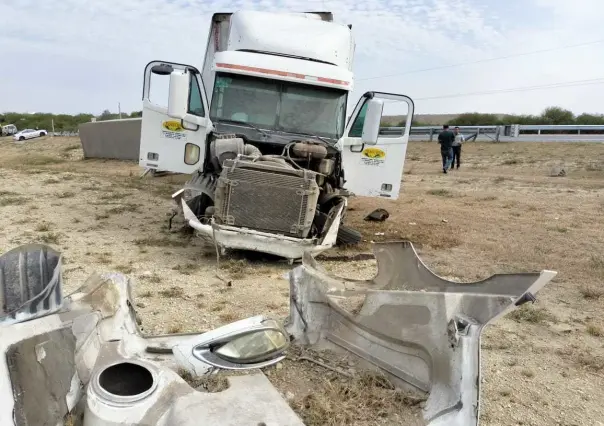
x: 243, y: 123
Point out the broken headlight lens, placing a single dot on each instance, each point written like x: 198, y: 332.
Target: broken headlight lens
x: 256, y: 346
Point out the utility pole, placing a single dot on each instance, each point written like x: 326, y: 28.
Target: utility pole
x: 119, y: 109
x: 52, y: 123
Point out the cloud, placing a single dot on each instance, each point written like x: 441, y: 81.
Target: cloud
x: 73, y: 56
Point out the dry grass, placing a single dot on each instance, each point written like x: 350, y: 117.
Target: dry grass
x: 155, y: 279
x: 124, y: 269
x: 591, y: 362
x: 113, y: 196
x: 528, y: 313
x: 441, y: 192
x: 592, y: 292
x: 236, y: 268
x: 343, y: 394
x: 595, y: 330
x: 127, y: 208
x: 12, y: 201
x: 172, y: 292
x: 228, y: 317
x: 529, y: 374
x: 43, y: 227
x: 36, y: 160
x: 66, y: 194
x: 345, y: 402
x: 186, y: 269
x: 208, y: 383
x: 160, y: 242
x: 597, y: 263
x: 69, y: 420
x: 72, y: 148
x: 50, y: 238
x: 175, y: 329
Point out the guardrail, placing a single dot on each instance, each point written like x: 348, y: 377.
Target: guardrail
x: 518, y: 132
x: 64, y: 134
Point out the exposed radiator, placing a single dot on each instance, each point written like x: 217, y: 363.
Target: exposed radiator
x: 267, y: 198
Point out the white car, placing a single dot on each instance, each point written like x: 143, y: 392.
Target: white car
x: 29, y: 134
x: 8, y: 130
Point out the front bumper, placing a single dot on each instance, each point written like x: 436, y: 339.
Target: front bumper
x: 230, y: 237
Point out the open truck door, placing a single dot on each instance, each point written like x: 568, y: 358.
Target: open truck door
x: 175, y: 118
x: 373, y: 163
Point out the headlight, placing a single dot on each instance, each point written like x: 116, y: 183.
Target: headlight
x: 255, y: 346
x: 255, y: 342
x: 191, y: 154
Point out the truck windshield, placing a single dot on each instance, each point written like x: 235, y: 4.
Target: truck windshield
x: 279, y: 105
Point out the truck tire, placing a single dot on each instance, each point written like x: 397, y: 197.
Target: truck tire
x: 348, y: 236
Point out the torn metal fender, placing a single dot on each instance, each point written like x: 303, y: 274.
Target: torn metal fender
x: 90, y: 359
x: 420, y: 329
x: 231, y: 237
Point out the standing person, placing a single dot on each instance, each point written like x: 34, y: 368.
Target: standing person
x: 459, y: 139
x: 446, y: 139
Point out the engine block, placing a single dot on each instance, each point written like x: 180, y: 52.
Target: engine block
x: 266, y: 197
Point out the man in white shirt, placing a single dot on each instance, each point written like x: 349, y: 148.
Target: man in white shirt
x: 459, y: 139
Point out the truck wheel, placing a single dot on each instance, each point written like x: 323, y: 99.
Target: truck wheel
x: 348, y: 236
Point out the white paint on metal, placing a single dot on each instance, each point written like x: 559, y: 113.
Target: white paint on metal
x: 282, y: 68
x: 247, y: 239
x: 291, y: 34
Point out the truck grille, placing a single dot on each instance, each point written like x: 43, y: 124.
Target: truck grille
x: 266, y: 198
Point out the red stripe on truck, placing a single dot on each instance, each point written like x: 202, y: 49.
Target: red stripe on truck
x: 282, y: 73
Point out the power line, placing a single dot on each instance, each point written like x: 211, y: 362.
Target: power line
x: 519, y: 89
x: 534, y: 52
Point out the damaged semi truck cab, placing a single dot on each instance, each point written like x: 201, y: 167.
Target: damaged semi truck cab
x: 263, y: 131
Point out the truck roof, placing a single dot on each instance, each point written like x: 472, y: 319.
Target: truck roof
x: 306, y: 35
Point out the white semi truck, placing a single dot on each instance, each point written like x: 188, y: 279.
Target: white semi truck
x: 263, y: 130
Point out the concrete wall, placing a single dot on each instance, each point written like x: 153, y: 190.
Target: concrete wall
x: 114, y: 139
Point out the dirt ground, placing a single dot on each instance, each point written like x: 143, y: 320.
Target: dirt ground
x: 501, y: 212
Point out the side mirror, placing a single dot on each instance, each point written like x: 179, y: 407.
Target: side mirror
x: 254, y: 342
x: 178, y: 97
x: 373, y: 117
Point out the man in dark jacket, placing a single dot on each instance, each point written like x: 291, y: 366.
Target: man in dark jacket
x: 446, y: 139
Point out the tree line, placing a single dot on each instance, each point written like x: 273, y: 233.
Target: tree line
x: 62, y: 122
x: 70, y: 123
x: 551, y: 115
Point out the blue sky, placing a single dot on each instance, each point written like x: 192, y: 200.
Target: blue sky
x: 74, y: 56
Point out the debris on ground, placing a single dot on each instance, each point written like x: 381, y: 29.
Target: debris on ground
x: 557, y: 172
x: 378, y: 215
x: 329, y: 389
x: 208, y: 383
